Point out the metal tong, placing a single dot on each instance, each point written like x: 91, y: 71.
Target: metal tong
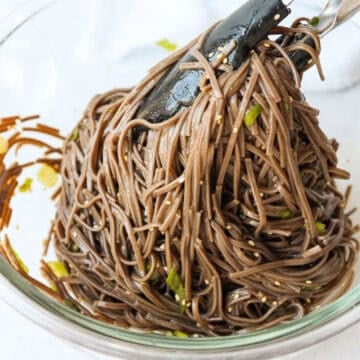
x: 247, y: 26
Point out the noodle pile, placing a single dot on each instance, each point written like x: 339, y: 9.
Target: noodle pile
x: 223, y: 218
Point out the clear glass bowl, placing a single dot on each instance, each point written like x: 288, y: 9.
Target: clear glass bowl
x: 54, y: 56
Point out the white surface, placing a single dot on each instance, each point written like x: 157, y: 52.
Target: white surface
x: 20, y: 339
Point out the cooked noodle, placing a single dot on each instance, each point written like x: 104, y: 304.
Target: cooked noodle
x: 249, y: 218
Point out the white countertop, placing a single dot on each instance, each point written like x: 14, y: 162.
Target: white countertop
x: 21, y: 340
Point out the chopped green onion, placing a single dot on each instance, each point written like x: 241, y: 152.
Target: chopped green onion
x: 177, y: 333
x: 286, y: 214
x: 148, y: 266
x: 19, y: 260
x: 311, y: 287
x: 71, y: 305
x: 154, y: 276
x: 58, y: 268
x: 286, y: 106
x: 75, y: 247
x: 4, y: 145
x: 47, y: 176
x: 320, y: 227
x: 26, y: 185
x: 252, y: 114
x: 174, y: 282
x: 75, y: 135
x: 180, y: 334
x: 314, y: 21
x: 167, y: 45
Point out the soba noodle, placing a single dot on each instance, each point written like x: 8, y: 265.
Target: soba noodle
x: 222, y: 218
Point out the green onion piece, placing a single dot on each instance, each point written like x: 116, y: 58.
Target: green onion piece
x: 19, y: 260
x: 167, y: 45
x: 47, y: 176
x: 177, y: 333
x: 286, y: 214
x: 311, y: 287
x: 286, y: 106
x: 4, y: 145
x: 71, y: 305
x: 148, y: 266
x: 75, y: 247
x: 75, y: 135
x: 26, y: 185
x: 314, y: 21
x: 174, y: 282
x: 320, y: 227
x: 252, y: 114
x: 154, y: 277
x: 180, y: 334
x: 58, y: 268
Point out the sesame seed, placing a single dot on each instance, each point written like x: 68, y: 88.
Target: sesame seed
x: 196, y: 335
x: 267, y: 45
x: 225, y: 61
x: 264, y: 299
x: 198, y: 325
x: 221, y: 48
x: 151, y: 229
x: 183, y: 302
x: 251, y: 243
x: 126, y: 158
x: 235, y: 130
x: 261, y: 194
x: 274, y: 303
x: 236, y: 296
x: 168, y: 202
x: 188, y: 304
x: 277, y: 17
x: 309, y: 282
x: 207, y: 282
x: 277, y: 283
x: 310, y: 61
x: 256, y: 254
x: 211, y: 54
x: 201, y: 182
x: 228, y: 227
x: 230, y: 309
x: 308, y: 301
x: 219, y: 119
x: 177, y: 297
x: 165, y: 268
